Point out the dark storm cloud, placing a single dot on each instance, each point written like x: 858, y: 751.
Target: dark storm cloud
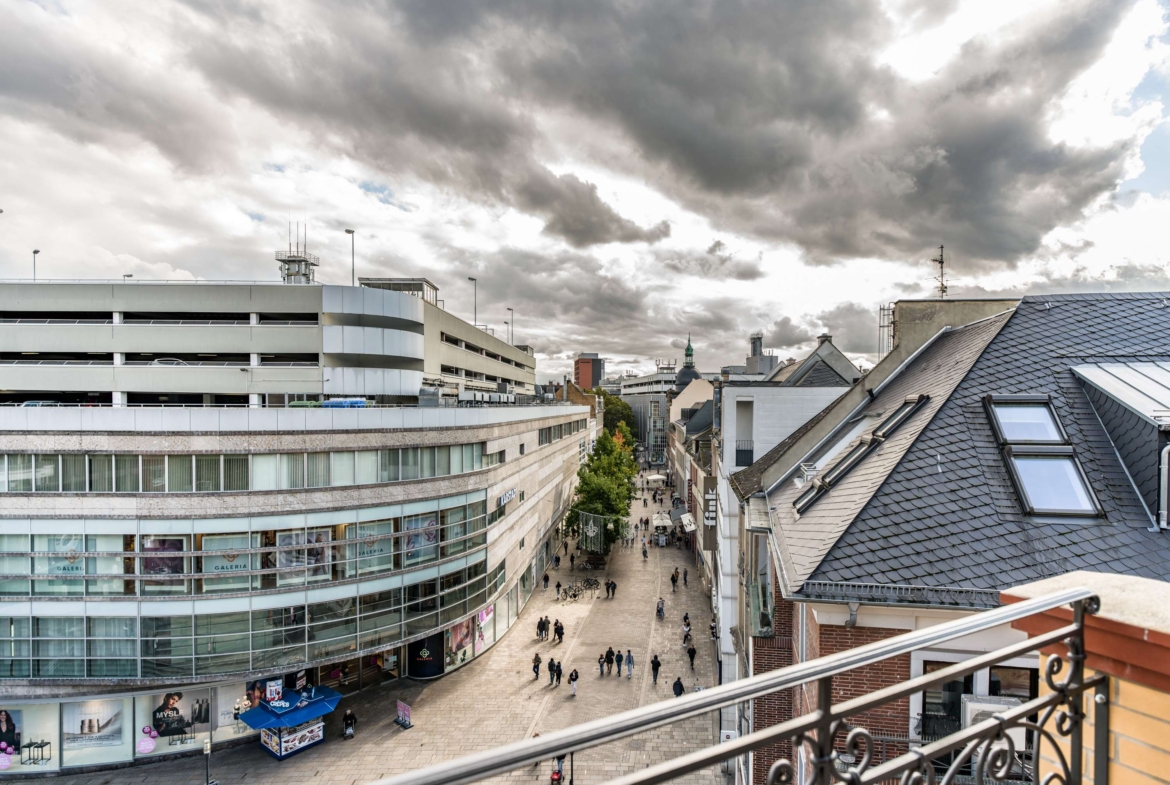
x: 853, y: 327
x: 785, y: 334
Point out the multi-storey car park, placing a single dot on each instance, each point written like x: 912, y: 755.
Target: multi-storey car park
x: 193, y: 516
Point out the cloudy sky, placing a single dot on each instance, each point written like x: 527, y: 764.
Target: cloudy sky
x: 620, y: 172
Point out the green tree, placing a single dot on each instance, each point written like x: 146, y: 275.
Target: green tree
x: 605, y: 484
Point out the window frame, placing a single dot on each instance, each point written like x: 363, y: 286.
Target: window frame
x: 1033, y: 448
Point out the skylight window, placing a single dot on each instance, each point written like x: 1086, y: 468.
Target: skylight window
x: 889, y: 424
x: 1043, y: 466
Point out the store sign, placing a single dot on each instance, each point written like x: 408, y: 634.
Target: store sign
x: 403, y: 715
x: 301, y: 680
x: 507, y: 497
x: 228, y: 562
x: 274, y: 690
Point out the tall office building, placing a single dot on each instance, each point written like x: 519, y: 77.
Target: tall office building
x: 588, y: 371
x: 209, y: 486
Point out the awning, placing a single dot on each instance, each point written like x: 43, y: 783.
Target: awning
x: 656, y: 478
x: 308, y: 706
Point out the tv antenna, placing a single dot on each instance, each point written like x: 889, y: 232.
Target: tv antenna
x: 940, y: 260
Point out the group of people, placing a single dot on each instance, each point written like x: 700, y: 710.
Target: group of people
x: 544, y: 628
x: 610, y: 588
x: 555, y: 671
x: 674, y: 578
x: 605, y: 662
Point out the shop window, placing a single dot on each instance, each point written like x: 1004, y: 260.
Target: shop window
x: 163, y: 556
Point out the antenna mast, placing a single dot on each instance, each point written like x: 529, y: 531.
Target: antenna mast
x: 940, y: 260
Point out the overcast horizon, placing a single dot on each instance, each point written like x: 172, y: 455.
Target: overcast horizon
x: 619, y: 173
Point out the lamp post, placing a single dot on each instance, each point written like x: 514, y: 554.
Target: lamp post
x: 512, y: 332
x: 352, y: 268
x: 35, y: 252
x: 126, y: 277
x: 474, y: 301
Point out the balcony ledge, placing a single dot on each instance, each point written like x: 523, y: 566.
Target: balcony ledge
x: 1129, y: 638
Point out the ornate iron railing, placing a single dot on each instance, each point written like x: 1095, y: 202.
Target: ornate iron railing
x: 837, y: 750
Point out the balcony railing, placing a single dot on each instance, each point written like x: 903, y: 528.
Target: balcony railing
x: 836, y: 747
x: 744, y: 452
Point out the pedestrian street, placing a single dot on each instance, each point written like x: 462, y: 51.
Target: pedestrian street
x: 495, y: 700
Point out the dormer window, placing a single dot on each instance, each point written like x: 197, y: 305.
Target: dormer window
x: 1042, y: 464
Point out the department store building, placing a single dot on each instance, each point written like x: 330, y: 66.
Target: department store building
x: 207, y: 486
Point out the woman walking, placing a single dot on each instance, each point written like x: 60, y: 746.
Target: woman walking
x: 573, y: 681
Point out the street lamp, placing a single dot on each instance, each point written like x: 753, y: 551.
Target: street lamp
x: 474, y: 301
x: 126, y: 276
x: 35, y: 252
x: 352, y: 278
x: 512, y: 332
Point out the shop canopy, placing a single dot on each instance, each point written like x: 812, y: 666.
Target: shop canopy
x: 309, y: 704
x: 656, y: 478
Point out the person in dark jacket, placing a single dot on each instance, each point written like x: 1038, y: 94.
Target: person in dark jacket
x: 609, y: 660
x: 691, y: 652
x: 601, y: 663
x: 348, y: 721
x: 536, y: 666
x: 654, y: 666
x: 559, y: 671
x: 168, y: 719
x: 618, y: 658
x: 679, y: 689
x: 552, y: 670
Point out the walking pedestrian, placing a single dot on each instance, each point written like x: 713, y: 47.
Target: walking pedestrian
x: 558, y: 590
x: 679, y: 689
x: 566, y: 546
x: 684, y: 577
x: 557, y: 562
x: 609, y: 660
x: 560, y: 632
x: 560, y: 670
x: 573, y: 681
x: 618, y: 658
x: 536, y: 666
x: 673, y: 582
x: 691, y: 652
x: 601, y: 663
x: 547, y: 628
x: 540, y: 629
x: 644, y: 554
x: 613, y: 590
x: 629, y: 664
x: 686, y: 619
x: 545, y: 582
x: 654, y: 666
x: 552, y: 670
x: 572, y: 560
x: 714, y: 629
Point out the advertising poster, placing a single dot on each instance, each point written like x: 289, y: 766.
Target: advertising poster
x: 270, y: 740
x: 459, y: 644
x: 91, y: 724
x: 96, y: 731
x: 174, y: 720
x: 485, y: 629
x: 35, y: 724
x: 377, y: 555
x: 70, y: 561
x: 302, y: 736
x: 230, y: 703
x: 422, y: 539
x: 319, y: 559
x: 226, y: 563
x: 166, y: 562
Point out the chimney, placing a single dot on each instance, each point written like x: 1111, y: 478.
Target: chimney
x: 823, y: 339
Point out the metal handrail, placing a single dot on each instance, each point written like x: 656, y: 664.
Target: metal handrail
x: 474, y: 767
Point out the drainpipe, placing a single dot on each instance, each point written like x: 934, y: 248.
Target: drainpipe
x: 1164, y: 496
x: 854, y: 607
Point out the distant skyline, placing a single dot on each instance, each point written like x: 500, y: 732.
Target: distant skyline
x: 619, y: 173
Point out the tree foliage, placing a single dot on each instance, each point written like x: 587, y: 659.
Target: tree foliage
x: 605, y: 484
x: 617, y: 411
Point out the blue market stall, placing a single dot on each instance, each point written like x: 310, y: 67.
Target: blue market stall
x: 292, y: 721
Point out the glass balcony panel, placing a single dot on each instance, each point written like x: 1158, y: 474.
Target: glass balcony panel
x: 276, y: 657
x: 112, y: 669
x: 58, y: 669
x: 332, y: 648
x: 165, y: 668
x: 227, y: 664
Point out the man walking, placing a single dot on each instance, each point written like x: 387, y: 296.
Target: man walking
x: 629, y: 664
x: 559, y: 630
x: 572, y: 561
x: 601, y: 664
x: 613, y: 590
x: 679, y: 689
x: 536, y: 666
x: 540, y: 629
x: 684, y: 577
x: 545, y: 582
x: 560, y: 670
x: 558, y: 590
x: 691, y: 652
x: 654, y: 666
x: 618, y: 659
x: 714, y: 629
x: 547, y: 628
x: 573, y: 681
x: 673, y: 581
x: 552, y: 670
x: 609, y: 660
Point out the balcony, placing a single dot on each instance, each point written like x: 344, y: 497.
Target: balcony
x: 1104, y: 644
x: 744, y: 452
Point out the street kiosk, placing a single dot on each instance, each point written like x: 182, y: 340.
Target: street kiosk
x: 293, y: 720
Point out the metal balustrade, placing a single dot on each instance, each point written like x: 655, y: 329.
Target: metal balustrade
x: 838, y: 750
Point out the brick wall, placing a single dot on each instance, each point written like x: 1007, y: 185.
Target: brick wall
x: 892, y: 719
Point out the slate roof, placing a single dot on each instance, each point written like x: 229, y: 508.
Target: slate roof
x: 947, y: 514
x: 805, y: 539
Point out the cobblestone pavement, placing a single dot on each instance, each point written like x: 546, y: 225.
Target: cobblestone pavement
x: 494, y: 700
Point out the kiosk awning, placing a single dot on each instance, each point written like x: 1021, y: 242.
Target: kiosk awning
x: 304, y: 709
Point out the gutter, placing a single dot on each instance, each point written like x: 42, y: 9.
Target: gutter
x: 870, y: 395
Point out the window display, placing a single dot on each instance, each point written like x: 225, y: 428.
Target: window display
x: 422, y: 540
x: 316, y: 561
x: 97, y: 731
x: 230, y: 702
x: 230, y: 562
x: 485, y: 629
x: 172, y: 721
x: 30, y: 731
x: 459, y: 644
x: 166, y: 562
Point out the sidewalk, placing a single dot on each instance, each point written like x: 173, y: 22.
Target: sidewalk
x: 494, y: 700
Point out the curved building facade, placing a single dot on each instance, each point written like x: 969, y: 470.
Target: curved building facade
x: 161, y: 564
